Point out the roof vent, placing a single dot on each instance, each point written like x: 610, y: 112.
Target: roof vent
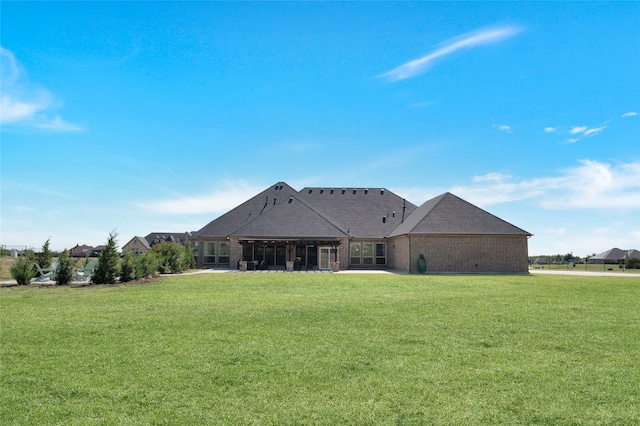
x: 322, y: 191
x: 290, y: 200
x: 310, y: 191
x: 382, y: 191
x: 384, y: 219
x: 366, y: 191
x: 331, y: 192
x: 344, y: 190
x: 354, y: 192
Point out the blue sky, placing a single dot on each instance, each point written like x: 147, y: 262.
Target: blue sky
x: 158, y: 116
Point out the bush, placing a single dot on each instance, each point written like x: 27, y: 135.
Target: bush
x: 22, y: 270
x: 147, y: 265
x: 108, y: 269
x: 44, y: 257
x: 64, y: 272
x: 128, y: 268
x: 171, y: 257
x: 632, y: 263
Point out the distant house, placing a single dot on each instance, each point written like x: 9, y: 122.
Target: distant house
x: 360, y: 228
x: 614, y: 256
x: 97, y: 250
x: 164, y: 237
x: 137, y: 245
x: 81, y: 251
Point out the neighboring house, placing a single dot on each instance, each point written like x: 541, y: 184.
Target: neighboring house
x: 97, y: 250
x: 137, y: 245
x: 614, y: 256
x: 164, y: 237
x: 360, y: 228
x: 81, y: 251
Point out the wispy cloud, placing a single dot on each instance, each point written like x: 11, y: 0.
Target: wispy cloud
x: 503, y: 128
x: 629, y: 114
x: 228, y: 195
x: 591, y: 185
x: 576, y: 132
x: 465, y: 41
x: 25, y: 104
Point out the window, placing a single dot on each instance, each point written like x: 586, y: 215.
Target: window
x: 223, y: 252
x: 368, y: 253
x: 381, y: 254
x: 355, y: 253
x: 216, y: 252
x: 210, y: 252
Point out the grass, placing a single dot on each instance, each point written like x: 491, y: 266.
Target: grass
x: 589, y: 267
x: 324, y: 349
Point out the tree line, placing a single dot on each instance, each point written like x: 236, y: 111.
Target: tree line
x: 111, y: 268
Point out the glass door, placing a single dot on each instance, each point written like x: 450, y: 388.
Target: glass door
x: 325, y: 253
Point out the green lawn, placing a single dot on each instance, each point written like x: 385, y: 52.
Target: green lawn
x: 324, y: 349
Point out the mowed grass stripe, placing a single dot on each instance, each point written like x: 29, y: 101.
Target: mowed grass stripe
x: 324, y: 349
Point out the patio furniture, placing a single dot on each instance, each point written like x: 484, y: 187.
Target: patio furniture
x: 47, y: 273
x: 84, y: 273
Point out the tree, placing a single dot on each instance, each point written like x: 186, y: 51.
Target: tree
x: 22, y: 270
x: 171, y: 257
x: 64, y: 272
x: 108, y: 268
x: 632, y: 263
x: 44, y: 257
x: 128, y: 268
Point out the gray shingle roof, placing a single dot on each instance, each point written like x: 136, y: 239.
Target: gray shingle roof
x: 229, y: 222
x: 448, y: 214
x: 359, y: 211
x: 290, y: 219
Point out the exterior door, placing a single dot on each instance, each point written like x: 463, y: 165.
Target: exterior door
x: 325, y: 259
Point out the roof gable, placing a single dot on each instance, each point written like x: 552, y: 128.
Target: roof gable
x: 448, y: 214
x: 291, y: 218
x: 234, y: 219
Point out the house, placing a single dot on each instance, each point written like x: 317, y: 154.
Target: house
x: 360, y: 228
x: 137, y: 245
x: 164, y: 237
x: 81, y: 251
x: 614, y: 256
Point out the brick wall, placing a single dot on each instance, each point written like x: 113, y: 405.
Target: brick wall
x: 466, y: 253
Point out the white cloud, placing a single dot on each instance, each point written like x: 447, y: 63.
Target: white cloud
x: 503, y: 128
x: 577, y: 129
x: 228, y: 196
x: 572, y: 140
x: 629, y: 114
x: 23, y: 103
x: 476, y: 38
x: 591, y: 185
x: 550, y: 129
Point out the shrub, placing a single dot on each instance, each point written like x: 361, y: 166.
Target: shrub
x: 128, y: 268
x: 632, y: 263
x: 22, y: 270
x: 147, y: 265
x: 108, y: 269
x: 44, y: 257
x: 171, y: 257
x: 64, y: 272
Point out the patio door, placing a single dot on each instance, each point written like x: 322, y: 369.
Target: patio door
x: 325, y: 252
x: 325, y: 257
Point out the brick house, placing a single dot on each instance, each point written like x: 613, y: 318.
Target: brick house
x: 360, y: 228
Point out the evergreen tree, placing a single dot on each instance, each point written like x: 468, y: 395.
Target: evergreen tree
x: 22, y: 270
x: 64, y: 272
x: 108, y: 268
x: 44, y: 257
x: 128, y: 268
